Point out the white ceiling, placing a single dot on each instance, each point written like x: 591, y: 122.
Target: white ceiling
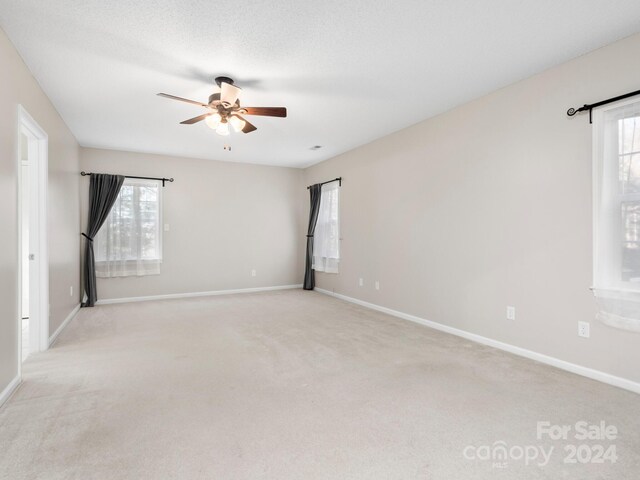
x: 348, y: 71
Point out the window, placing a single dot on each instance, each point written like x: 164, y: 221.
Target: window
x: 326, y: 241
x: 617, y: 214
x: 130, y: 240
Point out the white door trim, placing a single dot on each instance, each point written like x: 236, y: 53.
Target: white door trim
x: 38, y: 152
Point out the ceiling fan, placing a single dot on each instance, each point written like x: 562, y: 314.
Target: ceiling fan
x: 224, y: 109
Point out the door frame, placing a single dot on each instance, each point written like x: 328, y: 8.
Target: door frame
x: 38, y: 146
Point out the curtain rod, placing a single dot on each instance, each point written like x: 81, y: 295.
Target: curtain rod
x: 84, y: 174
x: 339, y: 179
x: 572, y: 111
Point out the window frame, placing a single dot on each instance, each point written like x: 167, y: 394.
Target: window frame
x: 134, y: 182
x: 607, y: 229
x: 329, y: 269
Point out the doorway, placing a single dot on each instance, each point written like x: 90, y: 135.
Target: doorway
x: 33, y: 265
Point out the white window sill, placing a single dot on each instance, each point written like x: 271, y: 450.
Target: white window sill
x: 128, y: 268
x: 618, y: 308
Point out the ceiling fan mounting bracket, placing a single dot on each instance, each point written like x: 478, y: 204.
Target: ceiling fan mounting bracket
x: 221, y: 80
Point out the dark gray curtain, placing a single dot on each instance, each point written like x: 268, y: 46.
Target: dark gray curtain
x: 309, y: 275
x: 103, y: 191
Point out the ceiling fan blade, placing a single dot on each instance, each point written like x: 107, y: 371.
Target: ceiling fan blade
x: 248, y: 127
x: 229, y: 93
x: 266, y: 111
x: 197, y: 119
x: 173, y: 97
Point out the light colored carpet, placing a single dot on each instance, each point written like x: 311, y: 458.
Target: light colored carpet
x: 290, y: 385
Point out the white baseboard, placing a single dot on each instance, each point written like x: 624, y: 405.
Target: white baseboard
x: 9, y: 390
x: 70, y: 317
x: 523, y: 352
x: 195, y: 294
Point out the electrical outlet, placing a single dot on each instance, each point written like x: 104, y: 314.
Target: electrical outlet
x: 584, y: 329
x: 360, y: 282
x: 377, y: 285
x: 253, y: 273
x: 511, y: 313
x: 71, y: 291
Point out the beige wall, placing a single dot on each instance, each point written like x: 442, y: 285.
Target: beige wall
x: 19, y: 87
x: 225, y: 220
x: 485, y: 206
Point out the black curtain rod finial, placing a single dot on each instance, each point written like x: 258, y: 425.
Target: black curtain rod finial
x: 572, y: 111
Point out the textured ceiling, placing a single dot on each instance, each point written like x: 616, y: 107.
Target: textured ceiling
x: 349, y: 72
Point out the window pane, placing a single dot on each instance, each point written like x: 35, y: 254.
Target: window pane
x: 629, y: 135
x: 629, y: 173
x: 631, y: 241
x: 149, y: 194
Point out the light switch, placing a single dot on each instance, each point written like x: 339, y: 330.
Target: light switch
x: 166, y: 227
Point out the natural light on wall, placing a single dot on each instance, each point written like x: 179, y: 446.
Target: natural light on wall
x: 326, y: 244
x: 130, y: 240
x: 617, y: 214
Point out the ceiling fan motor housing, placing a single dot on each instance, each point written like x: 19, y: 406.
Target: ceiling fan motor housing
x: 220, y: 80
x: 223, y: 110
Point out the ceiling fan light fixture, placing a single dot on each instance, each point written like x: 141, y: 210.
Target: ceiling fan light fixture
x: 223, y: 128
x: 213, y: 120
x: 237, y: 123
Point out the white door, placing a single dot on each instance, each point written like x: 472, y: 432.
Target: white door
x: 33, y: 300
x: 26, y: 247
x: 33, y: 271
x: 24, y: 194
